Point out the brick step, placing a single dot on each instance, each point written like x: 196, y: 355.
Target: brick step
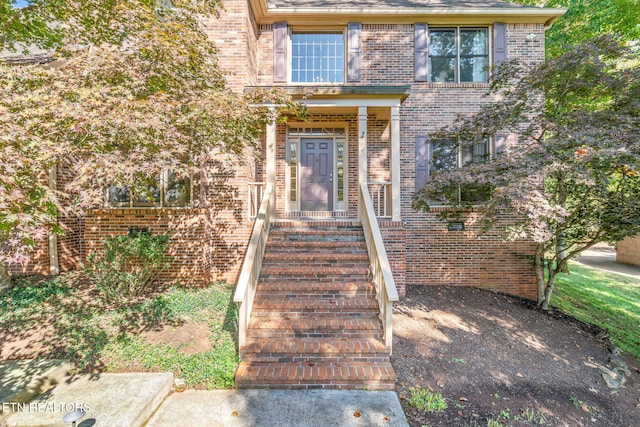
x: 316, y: 235
x: 334, y: 350
x: 317, y: 225
x: 328, y: 327
x: 333, y: 267
x: 315, y: 287
x: 316, y: 247
x: 332, y: 272
x: 316, y: 293
x: 312, y: 375
x: 336, y: 305
x: 321, y: 258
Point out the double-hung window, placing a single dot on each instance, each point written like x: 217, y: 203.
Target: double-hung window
x: 317, y: 57
x: 458, y: 55
x: 164, y: 191
x: 449, y: 154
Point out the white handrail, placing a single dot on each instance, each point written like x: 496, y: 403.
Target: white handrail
x: 250, y: 273
x: 254, y: 197
x: 380, y: 192
x: 382, y: 276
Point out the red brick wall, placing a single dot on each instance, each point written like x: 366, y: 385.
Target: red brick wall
x: 628, y: 251
x: 206, y: 244
x: 433, y: 255
x: 210, y: 243
x: 395, y: 243
x: 188, y: 244
x: 233, y: 35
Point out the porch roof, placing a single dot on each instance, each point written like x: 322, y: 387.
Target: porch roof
x: 395, y: 92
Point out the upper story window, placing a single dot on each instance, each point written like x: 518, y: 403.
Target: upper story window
x: 165, y: 191
x: 458, y: 55
x: 317, y: 57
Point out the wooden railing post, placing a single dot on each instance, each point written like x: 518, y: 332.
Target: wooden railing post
x: 382, y: 276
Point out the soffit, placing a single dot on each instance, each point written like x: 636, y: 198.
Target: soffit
x: 336, y: 12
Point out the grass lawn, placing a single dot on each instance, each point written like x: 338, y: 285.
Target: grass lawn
x: 64, y: 317
x: 608, y: 300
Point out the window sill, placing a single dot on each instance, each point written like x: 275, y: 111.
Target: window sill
x: 436, y: 85
x: 142, y: 210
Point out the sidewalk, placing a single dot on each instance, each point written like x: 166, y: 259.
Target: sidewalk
x: 145, y: 399
x: 603, y: 257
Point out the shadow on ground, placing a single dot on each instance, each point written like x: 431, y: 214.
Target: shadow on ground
x: 494, y: 357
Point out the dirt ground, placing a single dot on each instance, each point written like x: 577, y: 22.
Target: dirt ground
x: 494, y: 357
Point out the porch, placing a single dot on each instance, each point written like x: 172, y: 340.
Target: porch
x: 317, y: 166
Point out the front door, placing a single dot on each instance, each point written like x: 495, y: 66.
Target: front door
x: 316, y: 174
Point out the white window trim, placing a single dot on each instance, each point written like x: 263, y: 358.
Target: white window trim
x: 290, y: 32
x: 163, y: 182
x: 459, y: 159
x: 457, y: 71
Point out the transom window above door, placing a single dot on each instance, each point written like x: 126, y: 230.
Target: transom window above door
x: 317, y: 57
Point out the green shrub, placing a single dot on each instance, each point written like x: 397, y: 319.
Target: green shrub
x: 426, y: 400
x: 129, y: 265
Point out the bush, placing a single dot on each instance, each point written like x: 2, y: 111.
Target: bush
x: 129, y: 265
x: 426, y: 400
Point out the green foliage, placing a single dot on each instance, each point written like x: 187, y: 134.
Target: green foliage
x: 572, y: 179
x: 426, y: 400
x: 129, y: 266
x: 533, y: 417
x: 586, y: 19
x: 213, y: 368
x: 94, y: 335
x: 114, y: 115
x: 607, y: 300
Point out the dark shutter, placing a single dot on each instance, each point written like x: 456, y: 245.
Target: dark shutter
x: 422, y: 161
x: 354, y: 30
x: 499, y: 43
x: 280, y: 52
x: 421, y: 47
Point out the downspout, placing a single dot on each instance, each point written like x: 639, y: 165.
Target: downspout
x: 54, y: 266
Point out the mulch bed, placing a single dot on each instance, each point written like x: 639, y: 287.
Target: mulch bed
x: 495, y: 357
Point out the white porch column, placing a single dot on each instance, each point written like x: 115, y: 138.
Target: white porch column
x: 271, y: 154
x: 362, y: 146
x: 395, y: 164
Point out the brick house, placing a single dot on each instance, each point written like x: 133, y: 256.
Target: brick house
x: 378, y: 77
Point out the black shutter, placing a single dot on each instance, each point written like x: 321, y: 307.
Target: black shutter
x: 499, y: 43
x: 421, y: 47
x: 354, y: 30
x: 280, y: 52
x: 422, y: 161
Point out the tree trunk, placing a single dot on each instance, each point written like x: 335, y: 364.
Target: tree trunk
x: 5, y: 278
x: 551, y: 281
x: 539, y: 269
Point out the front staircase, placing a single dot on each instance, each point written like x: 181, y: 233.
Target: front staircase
x: 315, y: 319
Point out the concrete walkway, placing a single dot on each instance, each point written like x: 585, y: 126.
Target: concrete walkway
x: 603, y: 257
x: 145, y: 399
x: 281, y: 408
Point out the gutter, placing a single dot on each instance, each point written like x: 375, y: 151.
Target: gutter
x: 268, y: 13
